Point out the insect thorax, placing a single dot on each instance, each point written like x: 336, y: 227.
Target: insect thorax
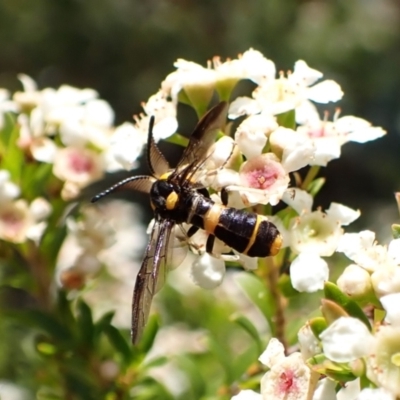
x: 171, y: 201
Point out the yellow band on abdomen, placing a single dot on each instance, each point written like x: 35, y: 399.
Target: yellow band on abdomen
x: 211, y: 218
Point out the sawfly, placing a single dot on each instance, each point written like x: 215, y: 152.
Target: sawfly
x: 176, y: 198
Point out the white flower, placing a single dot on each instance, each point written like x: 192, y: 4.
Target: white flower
x: 329, y: 136
x: 300, y: 200
x: 325, y: 390
x: 349, y: 391
x: 355, y: 282
x: 90, y: 122
x: 208, y: 271
x: 284, y: 94
x: 346, y: 339
x: 164, y: 113
x: 251, y: 135
x: 308, y: 272
x: 360, y: 248
x: 247, y: 395
x: 93, y: 232
x: 391, y: 303
x: 197, y: 82
x: 294, y: 149
x: 20, y: 221
x: 250, y: 65
x: 289, y: 378
x: 375, y: 394
x: 126, y: 145
x: 386, y: 280
x: 383, y: 361
x: 8, y: 190
x: 77, y: 167
x: 10, y: 391
x: 261, y: 179
x: 6, y: 105
x: 309, y: 345
x: 315, y: 232
x: 380, y: 261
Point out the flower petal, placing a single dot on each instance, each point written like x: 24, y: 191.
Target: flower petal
x: 207, y: 271
x: 308, y: 272
x: 346, y: 340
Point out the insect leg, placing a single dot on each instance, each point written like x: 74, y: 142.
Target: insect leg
x: 192, y: 230
x: 210, y: 244
x: 204, y: 192
x: 225, y: 257
x: 224, y: 196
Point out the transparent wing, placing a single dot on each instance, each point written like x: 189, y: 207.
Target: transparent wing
x: 178, y: 247
x: 155, y: 159
x: 150, y: 277
x: 203, y: 137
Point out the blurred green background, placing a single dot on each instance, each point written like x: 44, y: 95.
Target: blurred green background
x: 124, y: 49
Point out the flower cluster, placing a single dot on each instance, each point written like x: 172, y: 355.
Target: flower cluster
x: 20, y: 220
x: 73, y: 129
x: 279, y: 133
x: 268, y: 153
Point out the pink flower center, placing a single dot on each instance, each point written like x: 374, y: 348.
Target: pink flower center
x: 80, y: 163
x: 261, y: 178
x: 317, y: 132
x: 12, y: 221
x: 287, y: 382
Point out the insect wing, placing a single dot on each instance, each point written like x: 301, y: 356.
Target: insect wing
x: 150, y: 277
x: 155, y: 159
x: 177, y: 247
x: 203, y: 136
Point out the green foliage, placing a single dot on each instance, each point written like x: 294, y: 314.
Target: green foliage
x: 333, y: 293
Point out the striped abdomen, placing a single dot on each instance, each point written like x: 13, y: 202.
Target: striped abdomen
x: 248, y: 233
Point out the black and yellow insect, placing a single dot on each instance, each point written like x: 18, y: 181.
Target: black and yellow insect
x: 177, y: 198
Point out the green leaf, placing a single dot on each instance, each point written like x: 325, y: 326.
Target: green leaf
x: 198, y: 385
x: 54, y: 234
x: 64, y: 308
x: 287, y: 119
x: 341, y: 375
x: 332, y: 292
x: 286, y: 287
x: 13, y: 158
x: 224, y: 357
x: 257, y: 293
x: 332, y: 311
x: 178, y: 139
x: 7, y: 131
x: 85, y: 323
x: 244, y: 361
x: 317, y: 325
x: 315, y: 186
x: 102, y: 324
x: 119, y: 343
x: 248, y: 326
x: 35, y: 180
x: 150, y: 389
x: 47, y: 323
x: 396, y: 231
x: 149, y: 334
x: 157, y: 362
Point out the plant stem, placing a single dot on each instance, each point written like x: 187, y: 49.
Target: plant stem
x: 311, y: 174
x: 271, y: 277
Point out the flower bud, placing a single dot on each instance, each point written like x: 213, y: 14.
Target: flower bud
x: 355, y: 282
